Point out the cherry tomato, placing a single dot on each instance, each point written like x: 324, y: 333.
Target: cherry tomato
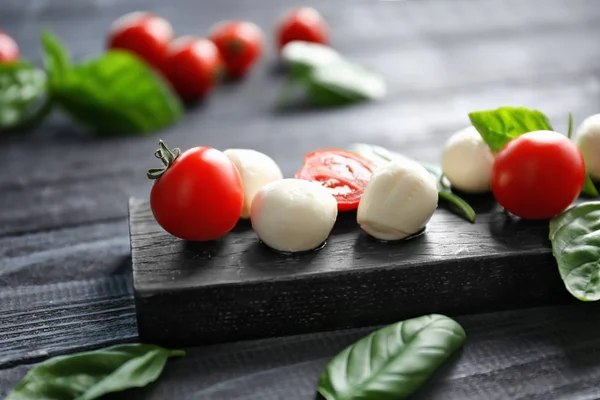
x: 144, y: 34
x: 9, y: 51
x: 240, y: 44
x: 538, y: 175
x: 198, y: 196
x: 193, y: 67
x: 304, y: 24
x: 344, y: 173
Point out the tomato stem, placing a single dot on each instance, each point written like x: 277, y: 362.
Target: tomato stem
x: 235, y: 46
x: 166, y: 156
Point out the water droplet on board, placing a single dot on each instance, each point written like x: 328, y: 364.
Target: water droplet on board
x: 297, y: 253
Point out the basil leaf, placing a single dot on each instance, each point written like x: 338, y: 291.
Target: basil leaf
x: 326, y: 78
x: 589, y: 188
x: 575, y: 237
x: 304, y: 56
x: 500, y: 126
x: 90, y: 375
x: 56, y: 57
x: 393, y: 362
x: 117, y: 94
x: 21, y: 85
x: 342, y: 82
x: 379, y: 156
x: 465, y: 208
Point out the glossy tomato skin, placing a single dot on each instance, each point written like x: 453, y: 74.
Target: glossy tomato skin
x: 193, y: 67
x: 9, y: 50
x: 199, y: 197
x: 538, y: 175
x: 240, y: 44
x: 304, y: 24
x: 345, y: 173
x: 144, y: 34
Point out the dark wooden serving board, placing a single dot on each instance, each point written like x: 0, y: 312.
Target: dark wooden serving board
x: 236, y: 288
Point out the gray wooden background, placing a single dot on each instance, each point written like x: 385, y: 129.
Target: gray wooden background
x: 65, y: 280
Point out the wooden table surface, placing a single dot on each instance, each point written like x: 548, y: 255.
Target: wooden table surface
x: 65, y: 274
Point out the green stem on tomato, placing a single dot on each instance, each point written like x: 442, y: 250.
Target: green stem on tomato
x: 166, y: 156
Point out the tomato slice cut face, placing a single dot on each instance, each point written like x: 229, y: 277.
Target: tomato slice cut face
x: 344, y: 173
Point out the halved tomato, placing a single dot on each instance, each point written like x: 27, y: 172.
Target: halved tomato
x: 344, y: 173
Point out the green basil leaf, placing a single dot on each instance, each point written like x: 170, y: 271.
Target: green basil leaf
x: 117, y: 94
x: 90, y: 375
x: 393, y: 362
x: 21, y: 85
x: 575, y: 237
x: 500, y: 126
x: 379, y: 156
x: 302, y: 57
x: 589, y: 188
x: 56, y: 57
x: 465, y: 208
x: 341, y: 82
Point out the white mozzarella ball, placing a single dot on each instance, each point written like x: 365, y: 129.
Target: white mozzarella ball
x: 293, y: 215
x: 467, y: 161
x: 398, y: 201
x: 257, y: 169
x: 587, y: 138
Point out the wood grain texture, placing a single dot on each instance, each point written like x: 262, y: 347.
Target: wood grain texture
x: 64, y: 255
x: 535, y: 354
x: 237, y: 289
x: 64, y: 282
x: 37, y: 322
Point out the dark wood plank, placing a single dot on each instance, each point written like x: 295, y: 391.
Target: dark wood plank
x: 536, y: 354
x: 64, y: 255
x: 237, y: 289
x: 64, y: 289
x: 37, y: 322
x: 58, y: 179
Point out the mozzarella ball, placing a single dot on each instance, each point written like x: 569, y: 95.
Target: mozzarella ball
x: 257, y: 169
x: 292, y: 215
x: 398, y: 201
x: 467, y: 161
x: 587, y: 138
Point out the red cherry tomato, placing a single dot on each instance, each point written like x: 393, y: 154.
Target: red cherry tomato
x: 9, y: 51
x: 144, y: 34
x: 538, y: 175
x: 193, y: 67
x: 344, y: 173
x: 240, y: 44
x: 305, y: 24
x: 199, y: 196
